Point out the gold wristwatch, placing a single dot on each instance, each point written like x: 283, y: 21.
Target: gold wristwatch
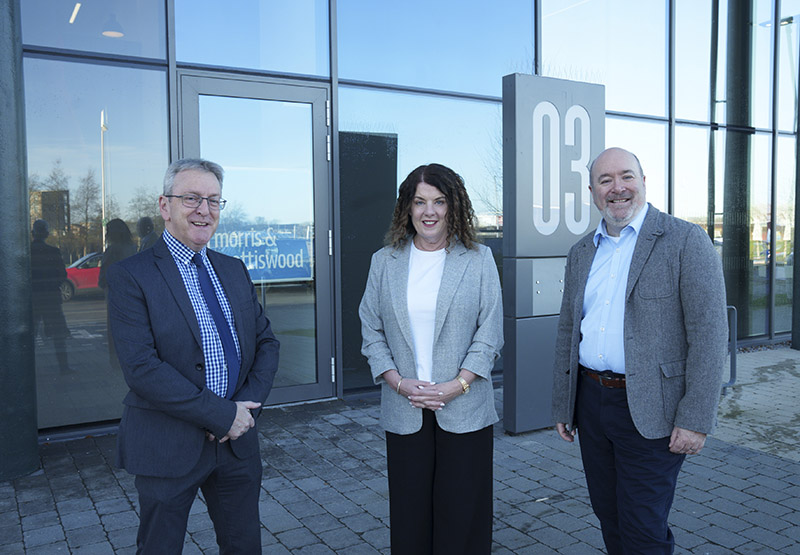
x: 464, y: 384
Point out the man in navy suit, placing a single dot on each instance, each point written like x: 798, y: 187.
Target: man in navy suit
x: 199, y: 357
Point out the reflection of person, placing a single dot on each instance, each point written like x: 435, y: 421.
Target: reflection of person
x: 431, y: 320
x: 199, y: 355
x: 119, y: 245
x: 641, y: 344
x: 47, y: 275
x: 146, y: 232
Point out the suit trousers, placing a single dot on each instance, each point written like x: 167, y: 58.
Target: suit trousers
x: 631, y: 479
x: 231, y: 489
x: 440, y: 490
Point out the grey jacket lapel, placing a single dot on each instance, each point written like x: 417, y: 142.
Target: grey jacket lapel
x: 397, y: 267
x: 584, y: 258
x: 174, y: 281
x: 651, y: 230
x: 455, y: 263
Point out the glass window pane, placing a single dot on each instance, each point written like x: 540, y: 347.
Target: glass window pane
x: 762, y: 65
x: 266, y: 149
x: 424, y: 128
x: 389, y: 134
x: 79, y: 168
x: 464, y: 46
x: 784, y: 234
x: 648, y: 141
x: 618, y: 43
x: 694, y: 197
x: 693, y: 29
x: 745, y: 66
x: 743, y: 177
x: 127, y: 27
x: 287, y: 37
x: 788, y: 60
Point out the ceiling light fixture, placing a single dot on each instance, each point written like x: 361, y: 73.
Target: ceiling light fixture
x: 112, y: 28
x: 74, y: 13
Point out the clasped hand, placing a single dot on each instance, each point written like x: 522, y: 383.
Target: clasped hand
x: 241, y: 423
x: 429, y: 395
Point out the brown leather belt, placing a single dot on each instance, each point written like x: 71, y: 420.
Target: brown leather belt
x: 617, y: 381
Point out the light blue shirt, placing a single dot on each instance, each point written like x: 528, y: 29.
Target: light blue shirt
x: 213, y: 353
x: 602, y: 344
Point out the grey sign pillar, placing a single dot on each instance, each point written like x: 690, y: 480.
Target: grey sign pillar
x: 552, y: 129
x: 19, y: 449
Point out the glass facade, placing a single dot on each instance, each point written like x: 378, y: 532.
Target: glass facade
x: 97, y: 148
x: 617, y: 43
x: 705, y: 93
x: 285, y: 37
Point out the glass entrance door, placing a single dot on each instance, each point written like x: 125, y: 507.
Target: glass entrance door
x: 272, y: 139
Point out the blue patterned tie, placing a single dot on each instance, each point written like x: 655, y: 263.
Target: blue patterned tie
x: 224, y: 331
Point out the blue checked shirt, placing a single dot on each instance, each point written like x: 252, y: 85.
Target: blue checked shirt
x: 216, y: 370
x: 602, y: 344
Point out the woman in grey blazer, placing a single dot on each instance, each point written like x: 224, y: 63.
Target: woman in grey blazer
x: 432, y: 327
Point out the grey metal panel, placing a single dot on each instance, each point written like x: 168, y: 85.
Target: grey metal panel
x: 18, y: 425
x: 552, y: 130
x: 547, y: 124
x: 547, y: 285
x: 532, y: 286
x: 509, y: 285
x: 528, y: 390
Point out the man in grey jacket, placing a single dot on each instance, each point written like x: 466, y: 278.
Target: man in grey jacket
x: 639, y: 355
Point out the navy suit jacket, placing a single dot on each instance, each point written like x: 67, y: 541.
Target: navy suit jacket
x: 169, y: 408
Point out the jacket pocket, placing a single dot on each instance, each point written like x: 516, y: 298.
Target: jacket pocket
x: 673, y: 386
x: 655, y: 281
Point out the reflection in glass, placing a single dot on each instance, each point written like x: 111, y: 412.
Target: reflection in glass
x: 788, y: 60
x: 273, y: 35
x: 760, y: 80
x: 463, y: 46
x: 126, y: 27
x: 648, y: 141
x: 690, y: 201
x: 746, y: 221
x: 63, y: 105
x: 265, y: 147
x: 620, y: 44
x: 784, y: 234
x: 462, y: 134
x: 694, y: 28
x: 398, y: 132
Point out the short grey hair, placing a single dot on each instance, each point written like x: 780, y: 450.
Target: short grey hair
x: 191, y: 164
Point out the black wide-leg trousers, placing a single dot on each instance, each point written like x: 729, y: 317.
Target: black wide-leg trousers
x: 440, y: 490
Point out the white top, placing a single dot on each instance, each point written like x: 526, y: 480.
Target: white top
x: 424, y: 277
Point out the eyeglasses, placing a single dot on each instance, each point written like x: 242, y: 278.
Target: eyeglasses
x: 194, y: 201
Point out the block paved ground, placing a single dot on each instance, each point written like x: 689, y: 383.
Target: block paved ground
x: 324, y: 487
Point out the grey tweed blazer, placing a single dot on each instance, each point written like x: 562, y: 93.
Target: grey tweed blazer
x: 468, y: 333
x: 676, y: 328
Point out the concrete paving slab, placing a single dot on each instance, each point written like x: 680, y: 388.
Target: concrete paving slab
x: 324, y: 487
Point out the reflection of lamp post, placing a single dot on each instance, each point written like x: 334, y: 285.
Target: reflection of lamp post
x: 103, y: 129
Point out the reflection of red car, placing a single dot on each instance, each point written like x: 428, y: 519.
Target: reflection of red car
x: 81, y: 275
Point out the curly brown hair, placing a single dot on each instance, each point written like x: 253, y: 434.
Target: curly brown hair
x: 460, y: 215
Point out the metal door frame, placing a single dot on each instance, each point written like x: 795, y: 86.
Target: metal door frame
x: 193, y: 84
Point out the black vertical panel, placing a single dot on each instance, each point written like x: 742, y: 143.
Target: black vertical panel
x: 19, y: 450
x: 738, y: 144
x: 368, y: 190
